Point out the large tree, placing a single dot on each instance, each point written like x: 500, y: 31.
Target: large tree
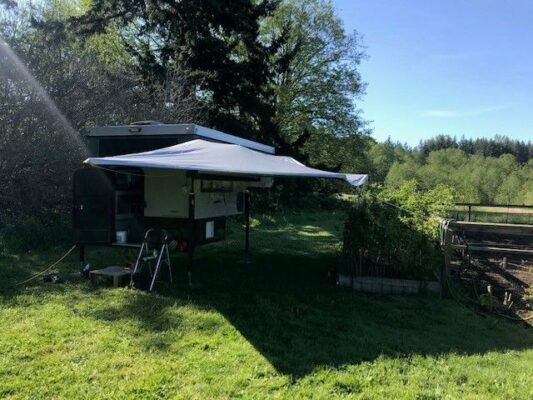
x: 52, y: 87
x: 316, y: 78
x: 216, y: 40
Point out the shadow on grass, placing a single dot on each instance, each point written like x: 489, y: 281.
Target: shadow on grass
x: 285, y: 305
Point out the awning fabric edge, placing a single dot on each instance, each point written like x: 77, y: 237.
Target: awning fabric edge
x: 221, y: 158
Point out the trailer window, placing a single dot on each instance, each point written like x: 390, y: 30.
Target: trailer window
x: 216, y: 186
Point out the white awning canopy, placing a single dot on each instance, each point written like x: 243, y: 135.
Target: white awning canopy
x: 222, y: 158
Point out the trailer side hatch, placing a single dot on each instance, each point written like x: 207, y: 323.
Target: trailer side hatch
x: 93, y: 204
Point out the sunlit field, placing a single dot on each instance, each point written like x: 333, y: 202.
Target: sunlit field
x: 275, y: 328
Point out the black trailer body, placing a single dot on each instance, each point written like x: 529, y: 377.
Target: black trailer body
x: 115, y: 206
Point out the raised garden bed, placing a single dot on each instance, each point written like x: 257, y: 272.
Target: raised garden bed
x: 372, y: 284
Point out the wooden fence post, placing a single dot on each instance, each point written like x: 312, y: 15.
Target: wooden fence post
x: 447, y: 247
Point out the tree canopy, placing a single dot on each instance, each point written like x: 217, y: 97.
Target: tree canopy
x: 472, y: 178
x: 488, y: 147
x: 284, y: 72
x: 316, y: 80
x: 216, y: 42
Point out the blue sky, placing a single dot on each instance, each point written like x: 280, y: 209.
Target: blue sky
x: 459, y: 67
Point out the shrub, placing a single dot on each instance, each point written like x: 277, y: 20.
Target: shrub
x: 33, y: 234
x: 393, y: 234
x: 422, y: 209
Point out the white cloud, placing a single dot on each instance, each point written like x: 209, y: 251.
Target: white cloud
x: 474, y: 112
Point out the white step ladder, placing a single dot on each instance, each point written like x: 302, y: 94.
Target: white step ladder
x: 153, y: 249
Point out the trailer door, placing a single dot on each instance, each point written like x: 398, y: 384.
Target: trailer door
x: 93, y: 207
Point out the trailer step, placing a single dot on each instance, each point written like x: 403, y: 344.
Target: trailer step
x: 115, y: 272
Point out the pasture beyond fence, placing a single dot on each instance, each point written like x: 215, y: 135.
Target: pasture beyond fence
x: 498, y: 213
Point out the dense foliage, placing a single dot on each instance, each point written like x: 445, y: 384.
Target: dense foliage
x: 473, y: 178
x: 218, y: 41
x: 283, y: 72
x: 393, y: 233
x: 315, y: 73
x: 52, y: 86
x: 488, y: 147
x: 493, y: 171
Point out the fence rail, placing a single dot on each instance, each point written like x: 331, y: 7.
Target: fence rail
x: 495, y: 254
x: 496, y: 205
x: 508, y: 213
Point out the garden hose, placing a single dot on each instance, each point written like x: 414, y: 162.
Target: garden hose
x: 48, y: 268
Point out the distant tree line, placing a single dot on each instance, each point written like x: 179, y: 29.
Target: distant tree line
x: 488, y: 147
x: 471, y: 175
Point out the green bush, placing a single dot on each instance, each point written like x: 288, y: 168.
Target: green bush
x: 421, y: 209
x: 393, y: 234
x: 33, y: 234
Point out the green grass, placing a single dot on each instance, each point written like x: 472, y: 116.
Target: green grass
x: 274, y: 329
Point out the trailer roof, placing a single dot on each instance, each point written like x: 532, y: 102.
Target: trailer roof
x: 151, y: 128
x: 224, y: 159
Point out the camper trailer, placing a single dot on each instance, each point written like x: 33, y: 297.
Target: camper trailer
x: 181, y: 180
x: 117, y: 205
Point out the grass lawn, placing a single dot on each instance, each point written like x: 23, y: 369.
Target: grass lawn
x: 276, y: 328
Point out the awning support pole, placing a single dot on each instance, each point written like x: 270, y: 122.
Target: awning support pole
x: 192, y: 226
x: 247, y: 226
